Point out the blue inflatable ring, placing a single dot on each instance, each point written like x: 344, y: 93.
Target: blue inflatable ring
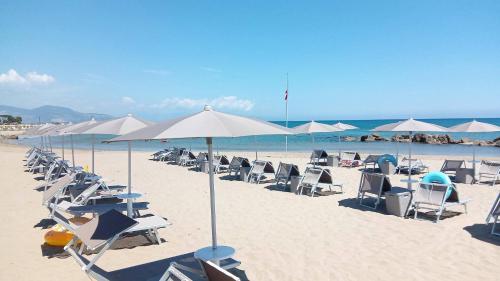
x: 387, y: 158
x: 440, y: 178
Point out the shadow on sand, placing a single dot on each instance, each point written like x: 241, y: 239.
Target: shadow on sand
x: 482, y: 232
x: 154, y: 270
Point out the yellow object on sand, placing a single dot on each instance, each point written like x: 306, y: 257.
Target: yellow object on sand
x: 86, y: 168
x: 59, y: 236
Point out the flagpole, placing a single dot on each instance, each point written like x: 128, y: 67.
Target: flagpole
x: 286, y: 112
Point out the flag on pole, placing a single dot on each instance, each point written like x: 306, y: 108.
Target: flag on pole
x: 286, y: 95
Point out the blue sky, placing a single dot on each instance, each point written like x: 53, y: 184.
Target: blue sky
x: 345, y: 59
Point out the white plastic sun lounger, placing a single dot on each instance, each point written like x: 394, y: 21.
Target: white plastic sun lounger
x: 494, y: 215
x: 315, y: 178
x: 318, y: 157
x: 236, y: 164
x: 432, y: 196
x: 417, y: 166
x: 491, y: 170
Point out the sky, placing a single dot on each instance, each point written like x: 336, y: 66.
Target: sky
x: 344, y: 59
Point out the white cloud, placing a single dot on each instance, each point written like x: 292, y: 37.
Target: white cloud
x: 210, y: 69
x: 157, y: 71
x: 14, y: 78
x: 40, y: 78
x: 228, y: 102
x: 128, y: 100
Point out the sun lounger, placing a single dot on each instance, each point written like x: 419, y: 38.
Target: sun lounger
x: 417, y: 166
x: 371, y: 159
x: 187, y: 158
x: 259, y: 170
x: 285, y: 173
x: 101, y: 232
x: 491, y: 170
x: 350, y: 159
x: 318, y: 157
x: 450, y: 167
x: 97, y: 209
x: 56, y: 188
x: 202, y: 157
x: 374, y: 185
x: 315, y: 178
x: 433, y: 196
x: 236, y: 164
x: 221, y: 163
x: 493, y: 215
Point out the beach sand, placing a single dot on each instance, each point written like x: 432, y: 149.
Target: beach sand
x: 277, y: 235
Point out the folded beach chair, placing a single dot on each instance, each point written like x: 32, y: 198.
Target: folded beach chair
x: 202, y: 157
x: 417, y: 166
x: 493, y: 215
x: 436, y: 197
x: 102, y: 231
x: 350, y: 159
x: 450, y: 167
x: 285, y: 173
x: 56, y: 188
x: 491, y: 170
x: 374, y: 185
x: 315, y: 178
x: 221, y: 163
x: 187, y: 158
x: 236, y: 164
x: 259, y: 170
x: 318, y: 157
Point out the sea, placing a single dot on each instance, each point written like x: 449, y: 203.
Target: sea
x: 305, y: 143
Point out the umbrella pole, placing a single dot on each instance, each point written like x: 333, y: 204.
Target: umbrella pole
x: 72, y: 151
x: 340, y: 140
x: 50, y: 143
x: 93, y: 141
x: 473, y: 162
x: 212, y: 192
x: 129, y: 187
x: 409, y: 162
x: 62, y: 146
x: 256, y: 148
x: 41, y: 142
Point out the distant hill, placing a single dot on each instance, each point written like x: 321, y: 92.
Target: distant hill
x: 51, y: 113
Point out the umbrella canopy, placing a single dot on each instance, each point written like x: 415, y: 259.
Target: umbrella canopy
x: 474, y: 127
x: 117, y: 126
x: 410, y: 125
x: 206, y: 124
x: 315, y: 127
x: 344, y: 126
x: 78, y: 128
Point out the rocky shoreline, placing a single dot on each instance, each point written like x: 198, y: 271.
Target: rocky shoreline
x: 427, y: 139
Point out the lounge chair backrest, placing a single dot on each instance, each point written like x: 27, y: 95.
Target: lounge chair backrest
x: 326, y: 177
x: 57, y: 187
x: 84, y: 196
x: 452, y: 165
x: 103, y: 228
x: 286, y: 171
x: 258, y: 167
x: 216, y: 273
x: 372, y: 158
x: 431, y: 193
x: 202, y: 156
x: 312, y: 176
x: 374, y: 183
x: 318, y: 154
x: 350, y: 156
x: 223, y: 159
x: 489, y: 168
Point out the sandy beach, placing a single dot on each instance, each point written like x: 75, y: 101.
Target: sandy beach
x: 277, y: 235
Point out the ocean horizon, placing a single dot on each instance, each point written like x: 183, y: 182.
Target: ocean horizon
x: 304, y: 143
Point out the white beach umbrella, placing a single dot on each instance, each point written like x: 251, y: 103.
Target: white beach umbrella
x: 118, y: 126
x: 39, y: 131
x: 474, y: 127
x: 314, y: 127
x: 75, y: 129
x: 410, y: 125
x: 206, y: 124
x: 55, y: 131
x: 344, y: 127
